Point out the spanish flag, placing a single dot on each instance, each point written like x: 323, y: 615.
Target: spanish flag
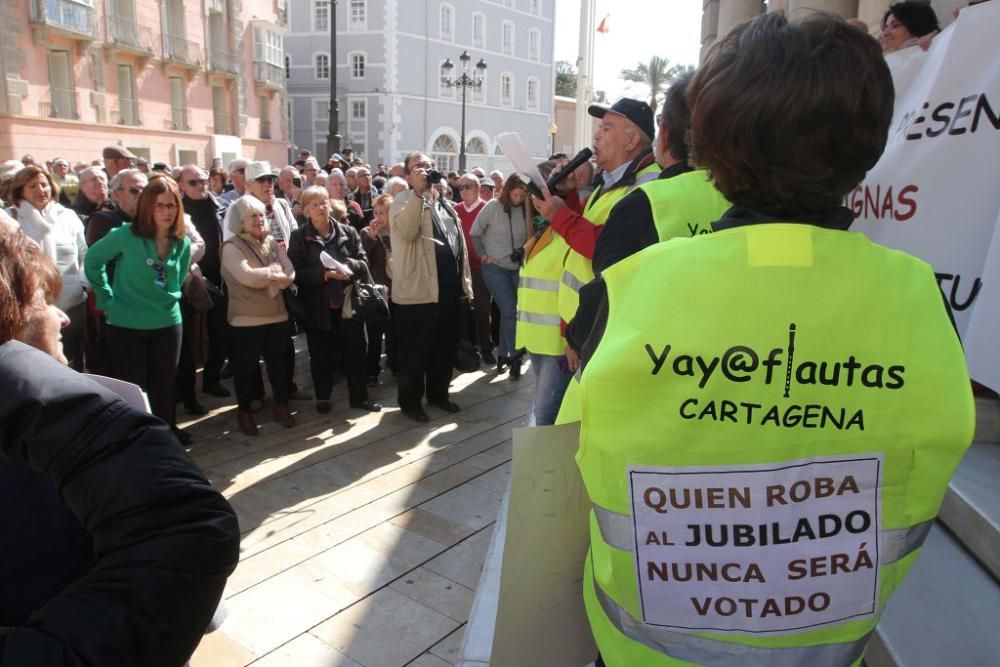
x: 605, y: 24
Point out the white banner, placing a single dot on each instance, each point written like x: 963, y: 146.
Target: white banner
x: 935, y: 191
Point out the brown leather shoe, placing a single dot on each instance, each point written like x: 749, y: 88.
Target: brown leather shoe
x: 283, y: 416
x: 246, y: 422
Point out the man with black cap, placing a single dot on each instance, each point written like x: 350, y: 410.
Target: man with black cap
x: 623, y: 152
x: 116, y: 158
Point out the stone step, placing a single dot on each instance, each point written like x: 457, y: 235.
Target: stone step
x: 971, y: 507
x: 987, y: 420
x: 945, y: 613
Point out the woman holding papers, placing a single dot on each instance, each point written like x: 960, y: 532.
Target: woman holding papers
x: 327, y: 253
x: 256, y: 270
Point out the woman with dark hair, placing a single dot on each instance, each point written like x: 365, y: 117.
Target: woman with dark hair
x: 151, y: 256
x: 59, y: 233
x: 321, y: 290
x: 778, y: 352
x: 499, y: 234
x: 904, y: 23
x: 217, y: 179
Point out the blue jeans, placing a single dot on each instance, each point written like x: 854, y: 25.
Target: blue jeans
x: 552, y: 376
x: 502, y: 284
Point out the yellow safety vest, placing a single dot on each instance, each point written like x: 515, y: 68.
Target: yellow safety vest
x: 578, y: 270
x: 682, y: 206
x: 769, y: 425
x: 538, y: 326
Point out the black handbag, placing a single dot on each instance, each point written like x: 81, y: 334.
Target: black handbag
x: 293, y: 304
x: 366, y: 301
x: 466, y: 357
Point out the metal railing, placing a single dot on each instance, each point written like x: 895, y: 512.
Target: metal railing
x: 223, y: 61
x: 223, y: 123
x: 62, y: 104
x: 265, y: 129
x: 179, y: 49
x: 128, y: 112
x: 127, y: 32
x: 268, y: 73
x: 66, y: 15
x: 180, y: 118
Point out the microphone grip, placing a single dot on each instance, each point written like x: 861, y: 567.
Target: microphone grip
x: 570, y: 167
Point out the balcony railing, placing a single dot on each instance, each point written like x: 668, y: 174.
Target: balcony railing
x: 180, y: 119
x: 70, y: 17
x: 62, y: 104
x: 128, y: 112
x: 223, y: 123
x: 131, y: 35
x: 180, y: 50
x: 269, y: 74
x: 222, y: 61
x: 265, y: 129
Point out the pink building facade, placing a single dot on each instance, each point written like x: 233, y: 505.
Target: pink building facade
x: 174, y: 81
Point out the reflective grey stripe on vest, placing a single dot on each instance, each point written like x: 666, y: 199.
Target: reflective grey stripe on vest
x: 897, y: 543
x: 572, y: 281
x: 539, y: 284
x: 538, y: 318
x: 643, y: 179
x: 705, y: 651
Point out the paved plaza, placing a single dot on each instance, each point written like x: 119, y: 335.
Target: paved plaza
x: 363, y: 534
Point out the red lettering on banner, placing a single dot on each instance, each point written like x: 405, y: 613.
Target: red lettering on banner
x: 872, y: 201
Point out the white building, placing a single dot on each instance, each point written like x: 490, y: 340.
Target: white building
x: 389, y: 66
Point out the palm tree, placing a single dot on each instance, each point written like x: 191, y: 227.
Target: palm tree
x: 657, y: 75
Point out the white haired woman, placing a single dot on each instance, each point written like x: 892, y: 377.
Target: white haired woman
x: 256, y: 269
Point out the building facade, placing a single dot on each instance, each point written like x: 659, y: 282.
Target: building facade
x: 172, y: 81
x: 389, y: 67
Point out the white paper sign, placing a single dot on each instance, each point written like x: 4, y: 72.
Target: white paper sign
x: 758, y: 548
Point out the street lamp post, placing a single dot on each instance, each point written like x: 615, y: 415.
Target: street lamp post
x: 464, y: 81
x: 332, y: 133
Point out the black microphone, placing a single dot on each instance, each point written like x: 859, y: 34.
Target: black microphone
x: 556, y: 179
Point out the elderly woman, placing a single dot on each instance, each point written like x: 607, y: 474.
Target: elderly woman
x: 375, y: 242
x: 256, y: 269
x: 904, y: 23
x: 59, y: 232
x: 336, y: 185
x: 217, y: 179
x: 499, y: 234
x: 322, y: 292
x: 151, y: 257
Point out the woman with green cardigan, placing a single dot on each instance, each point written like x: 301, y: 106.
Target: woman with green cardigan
x: 151, y: 258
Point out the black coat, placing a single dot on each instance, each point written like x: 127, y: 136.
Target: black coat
x: 164, y: 541
x: 316, y: 294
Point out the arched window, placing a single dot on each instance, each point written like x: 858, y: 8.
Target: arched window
x: 507, y: 38
x: 443, y: 152
x: 535, y: 44
x: 321, y: 69
x: 476, y: 145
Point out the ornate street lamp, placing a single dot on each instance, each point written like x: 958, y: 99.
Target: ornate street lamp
x: 332, y: 134
x: 463, y: 81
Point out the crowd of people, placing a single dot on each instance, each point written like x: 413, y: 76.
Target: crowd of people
x: 692, y: 231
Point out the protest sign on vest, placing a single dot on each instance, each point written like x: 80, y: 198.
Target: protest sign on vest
x: 933, y: 193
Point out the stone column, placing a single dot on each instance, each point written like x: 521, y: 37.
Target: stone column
x: 734, y: 12
x: 848, y: 9
x: 709, y: 24
x: 777, y: 5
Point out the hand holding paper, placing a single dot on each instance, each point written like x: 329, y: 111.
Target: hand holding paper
x: 333, y: 265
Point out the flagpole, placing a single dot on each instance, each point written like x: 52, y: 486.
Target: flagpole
x: 584, y: 75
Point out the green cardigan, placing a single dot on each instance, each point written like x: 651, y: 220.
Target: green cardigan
x: 135, y: 301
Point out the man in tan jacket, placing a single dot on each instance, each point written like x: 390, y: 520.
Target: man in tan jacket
x: 430, y: 267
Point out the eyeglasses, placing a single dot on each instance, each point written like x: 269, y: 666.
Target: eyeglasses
x: 135, y: 192
x: 165, y: 207
x: 468, y: 186
x: 195, y: 182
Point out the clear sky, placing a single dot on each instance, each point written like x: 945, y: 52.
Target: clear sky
x: 640, y: 29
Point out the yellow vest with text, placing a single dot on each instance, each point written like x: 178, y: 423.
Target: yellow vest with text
x: 578, y: 270
x: 538, y: 328
x: 682, y: 206
x: 776, y: 352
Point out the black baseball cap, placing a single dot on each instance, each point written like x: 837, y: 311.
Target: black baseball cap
x: 636, y: 111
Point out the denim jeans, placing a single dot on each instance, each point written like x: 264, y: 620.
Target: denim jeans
x: 552, y: 376
x: 502, y: 284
